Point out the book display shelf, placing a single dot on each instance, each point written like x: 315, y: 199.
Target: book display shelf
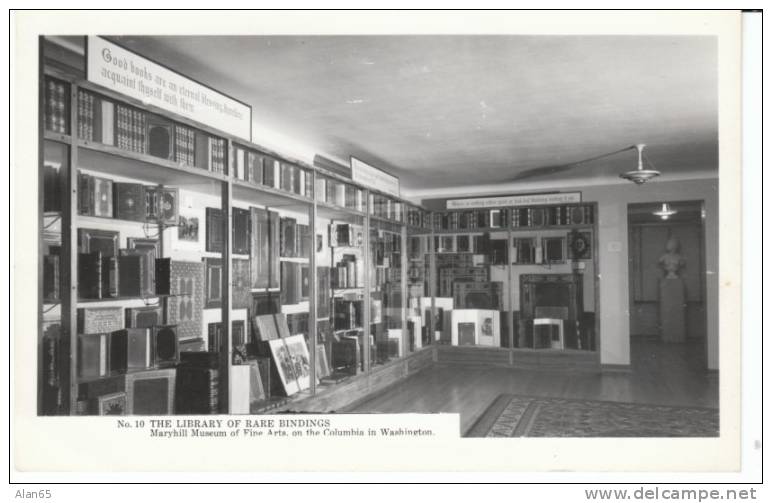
x: 513, y: 277
x: 183, y: 270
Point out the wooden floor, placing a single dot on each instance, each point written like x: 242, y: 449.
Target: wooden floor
x: 666, y: 374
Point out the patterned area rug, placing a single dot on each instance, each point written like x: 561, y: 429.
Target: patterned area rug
x: 523, y: 416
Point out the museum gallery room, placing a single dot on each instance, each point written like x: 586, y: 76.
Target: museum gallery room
x: 522, y: 230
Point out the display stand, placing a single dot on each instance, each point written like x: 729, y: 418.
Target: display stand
x: 672, y: 310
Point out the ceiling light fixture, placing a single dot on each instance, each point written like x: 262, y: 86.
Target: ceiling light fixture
x: 665, y: 213
x: 640, y: 176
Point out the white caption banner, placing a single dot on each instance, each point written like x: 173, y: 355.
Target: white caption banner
x: 123, y: 71
x: 367, y: 175
x: 525, y: 200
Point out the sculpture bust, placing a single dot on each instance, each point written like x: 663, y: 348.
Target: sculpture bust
x: 672, y: 261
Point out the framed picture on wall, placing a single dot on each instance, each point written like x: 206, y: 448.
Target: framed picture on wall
x: 553, y: 249
x: 93, y: 240
x: 293, y: 363
x: 187, y: 229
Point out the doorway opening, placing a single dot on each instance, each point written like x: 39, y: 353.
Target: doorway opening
x: 668, y: 322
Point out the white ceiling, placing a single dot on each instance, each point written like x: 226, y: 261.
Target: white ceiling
x: 450, y: 111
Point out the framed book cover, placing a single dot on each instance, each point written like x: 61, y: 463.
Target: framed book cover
x: 98, y: 240
x: 241, y: 291
x: 212, y: 282
x: 151, y: 249
x: 90, y: 275
x: 580, y: 245
x: 265, y: 303
x: 143, y: 317
x: 185, y: 302
x: 160, y: 137
x: 214, y: 230
x: 293, y: 363
x: 130, y: 201
x: 112, y: 404
x: 288, y: 236
x: 241, y: 231
x: 168, y: 204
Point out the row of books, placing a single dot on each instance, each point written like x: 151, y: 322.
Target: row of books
x: 184, y: 145
x: 462, y: 244
x: 102, y: 197
x: 294, y: 239
x: 385, y: 207
x: 543, y: 216
x: 262, y: 169
x: 345, y: 274
x: 345, y: 195
x: 56, y: 110
x: 104, y: 277
x: 417, y: 217
x: 217, y: 155
x: 346, y: 235
x: 347, y: 314
x: 386, y: 275
x: 103, y: 121
x: 127, y: 349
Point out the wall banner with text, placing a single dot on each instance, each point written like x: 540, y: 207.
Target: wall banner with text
x: 369, y: 176
x: 128, y: 73
x: 521, y: 200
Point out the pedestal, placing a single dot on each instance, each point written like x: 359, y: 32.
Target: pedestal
x: 672, y: 310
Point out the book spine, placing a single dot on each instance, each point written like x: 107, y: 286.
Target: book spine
x: 49, y: 105
x: 60, y: 108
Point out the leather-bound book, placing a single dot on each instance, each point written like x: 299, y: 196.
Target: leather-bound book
x: 143, y: 317
x: 93, y: 355
x: 323, y: 292
x: 90, y: 275
x: 103, y: 197
x: 165, y: 345
x: 241, y: 230
x: 168, y: 203
x: 288, y: 236
x: 132, y: 274
x: 240, y: 279
x: 131, y: 349
x: 192, y: 346
x: 136, y: 265
x: 289, y: 280
x: 201, y: 158
x: 197, y: 389
x: 255, y: 168
x: 163, y: 276
x: 85, y: 194
x: 265, y: 303
x: 466, y: 334
x: 260, y: 249
x: 51, y: 278
x: 52, y: 190
x: 130, y: 201
x: 303, y: 283
x: 214, y: 230
x: 97, y: 320
x: 273, y: 249
x: 269, y: 171
x: 110, y: 279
